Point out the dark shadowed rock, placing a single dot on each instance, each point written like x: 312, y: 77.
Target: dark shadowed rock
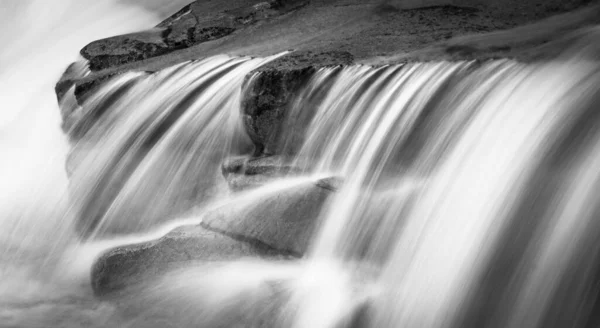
x: 190, y: 26
x: 271, y: 90
x: 282, y: 219
x: 129, y: 265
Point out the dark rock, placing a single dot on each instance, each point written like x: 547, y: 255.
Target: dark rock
x: 119, y: 50
x: 270, y: 92
x: 74, y: 72
x: 282, y: 219
x: 128, y: 265
x: 188, y: 27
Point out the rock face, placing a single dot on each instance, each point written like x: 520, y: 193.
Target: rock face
x: 186, y: 28
x: 271, y: 90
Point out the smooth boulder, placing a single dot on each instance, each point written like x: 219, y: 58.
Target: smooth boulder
x: 128, y: 265
x: 272, y: 223
x: 282, y: 218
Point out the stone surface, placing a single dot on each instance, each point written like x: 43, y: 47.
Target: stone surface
x: 282, y: 219
x: 242, y: 173
x: 128, y: 265
x: 271, y: 90
x: 277, y: 224
x: 188, y: 27
x: 373, y: 32
x: 326, y: 34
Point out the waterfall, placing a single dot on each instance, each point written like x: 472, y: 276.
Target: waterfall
x: 150, y: 147
x: 468, y: 187
x: 469, y: 197
x: 37, y: 47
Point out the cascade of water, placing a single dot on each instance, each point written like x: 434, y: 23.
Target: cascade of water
x: 470, y: 196
x: 37, y: 46
x: 439, y: 161
x: 151, y: 146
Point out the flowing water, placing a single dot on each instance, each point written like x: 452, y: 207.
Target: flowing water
x: 469, y: 198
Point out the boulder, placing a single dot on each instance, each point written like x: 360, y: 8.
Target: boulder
x: 282, y: 218
x: 190, y: 26
x: 269, y: 95
x: 126, y: 266
x: 244, y: 173
x: 275, y: 223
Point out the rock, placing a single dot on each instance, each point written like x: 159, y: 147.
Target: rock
x: 244, y: 173
x: 283, y: 218
x: 271, y: 90
x: 274, y: 224
x: 376, y: 33
x: 123, y: 49
x: 128, y: 265
x: 186, y: 28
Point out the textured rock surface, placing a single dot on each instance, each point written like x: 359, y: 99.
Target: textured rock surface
x: 188, y: 27
x: 276, y: 225
x: 372, y: 32
x: 270, y: 92
x: 128, y: 265
x: 284, y: 220
x: 244, y: 173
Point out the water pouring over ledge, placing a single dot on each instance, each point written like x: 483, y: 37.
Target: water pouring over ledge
x: 468, y: 200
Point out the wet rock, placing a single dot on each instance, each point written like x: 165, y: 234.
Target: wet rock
x: 186, y: 28
x: 331, y: 183
x: 284, y: 219
x: 274, y: 224
x: 120, y: 50
x: 128, y: 265
x: 271, y: 90
x: 242, y: 173
x: 74, y: 72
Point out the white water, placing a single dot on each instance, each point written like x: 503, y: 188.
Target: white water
x: 470, y: 196
x: 158, y: 149
x: 459, y: 150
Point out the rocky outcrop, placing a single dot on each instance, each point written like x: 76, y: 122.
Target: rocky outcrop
x: 323, y: 33
x: 188, y: 27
